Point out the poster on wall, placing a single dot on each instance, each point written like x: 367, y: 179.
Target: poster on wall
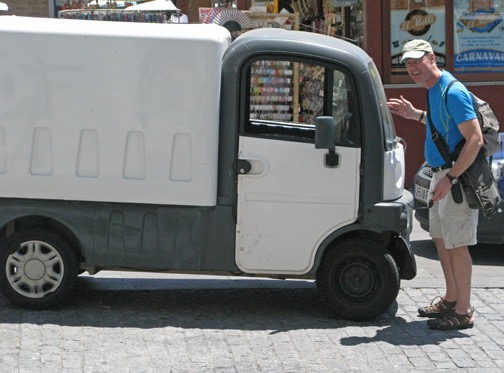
x: 479, y: 36
x: 417, y: 19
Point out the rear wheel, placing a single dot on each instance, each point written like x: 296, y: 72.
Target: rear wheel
x: 38, y: 269
x: 358, y: 279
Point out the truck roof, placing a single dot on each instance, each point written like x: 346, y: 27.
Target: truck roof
x: 118, y: 29
x: 269, y: 40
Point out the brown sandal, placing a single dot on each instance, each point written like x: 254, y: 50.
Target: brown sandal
x: 438, y: 309
x: 452, y: 321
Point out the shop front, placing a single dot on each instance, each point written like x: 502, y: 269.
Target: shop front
x: 467, y: 37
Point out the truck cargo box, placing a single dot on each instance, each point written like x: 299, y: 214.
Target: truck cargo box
x: 110, y: 111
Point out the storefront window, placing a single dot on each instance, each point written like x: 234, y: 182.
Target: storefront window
x: 478, y: 36
x: 417, y: 19
x: 467, y: 35
x: 59, y: 5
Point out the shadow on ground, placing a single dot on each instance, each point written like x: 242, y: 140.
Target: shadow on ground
x: 270, y: 310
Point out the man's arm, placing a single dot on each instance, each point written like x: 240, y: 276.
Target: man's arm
x: 474, y: 141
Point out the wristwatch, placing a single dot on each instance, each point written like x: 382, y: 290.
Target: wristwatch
x: 453, y: 179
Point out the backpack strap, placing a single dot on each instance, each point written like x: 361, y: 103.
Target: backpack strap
x: 445, y: 94
x: 436, y: 138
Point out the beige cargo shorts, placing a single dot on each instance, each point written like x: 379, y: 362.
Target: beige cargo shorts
x: 455, y: 223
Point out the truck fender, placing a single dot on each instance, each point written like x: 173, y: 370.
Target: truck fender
x: 397, y: 246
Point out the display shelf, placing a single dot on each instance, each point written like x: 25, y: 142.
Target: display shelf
x: 273, y: 92
x: 119, y: 15
x: 286, y: 91
x: 288, y: 21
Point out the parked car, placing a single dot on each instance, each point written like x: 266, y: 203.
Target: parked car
x: 498, y: 160
x: 489, y: 230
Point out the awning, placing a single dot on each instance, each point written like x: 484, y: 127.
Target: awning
x: 159, y: 5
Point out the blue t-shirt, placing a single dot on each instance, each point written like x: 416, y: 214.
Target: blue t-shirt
x: 460, y: 109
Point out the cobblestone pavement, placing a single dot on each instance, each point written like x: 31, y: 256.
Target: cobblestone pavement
x: 212, y: 325
x: 242, y: 330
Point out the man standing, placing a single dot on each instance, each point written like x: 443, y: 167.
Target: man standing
x: 452, y: 225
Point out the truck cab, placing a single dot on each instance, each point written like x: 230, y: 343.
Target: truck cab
x: 332, y: 201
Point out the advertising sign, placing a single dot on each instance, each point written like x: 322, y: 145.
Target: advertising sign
x: 479, y: 36
x: 417, y: 19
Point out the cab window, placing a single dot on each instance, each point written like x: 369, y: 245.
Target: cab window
x: 284, y: 98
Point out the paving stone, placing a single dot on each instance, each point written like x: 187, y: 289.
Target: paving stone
x: 243, y: 330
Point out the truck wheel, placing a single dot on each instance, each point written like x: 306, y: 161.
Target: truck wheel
x: 38, y: 269
x: 358, y: 280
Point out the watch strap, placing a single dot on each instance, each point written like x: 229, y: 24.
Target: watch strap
x: 452, y: 179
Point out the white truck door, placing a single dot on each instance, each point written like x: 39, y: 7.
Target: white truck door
x: 289, y: 200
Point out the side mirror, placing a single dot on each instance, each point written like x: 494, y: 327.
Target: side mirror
x: 325, y: 129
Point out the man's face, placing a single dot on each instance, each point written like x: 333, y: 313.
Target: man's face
x: 420, y: 69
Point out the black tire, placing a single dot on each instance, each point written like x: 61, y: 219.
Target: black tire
x: 358, y: 280
x: 38, y: 269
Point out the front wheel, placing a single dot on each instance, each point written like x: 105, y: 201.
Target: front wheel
x: 38, y: 269
x: 358, y: 279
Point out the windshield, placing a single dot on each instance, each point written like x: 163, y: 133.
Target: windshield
x: 386, y: 116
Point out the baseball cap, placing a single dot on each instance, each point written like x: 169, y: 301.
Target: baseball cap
x: 415, y: 49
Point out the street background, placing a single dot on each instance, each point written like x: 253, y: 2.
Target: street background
x: 141, y: 322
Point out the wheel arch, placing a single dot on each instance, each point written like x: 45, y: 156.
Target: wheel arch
x: 395, y: 246
x: 45, y: 222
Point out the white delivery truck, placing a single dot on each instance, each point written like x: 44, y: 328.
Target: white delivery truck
x: 150, y: 147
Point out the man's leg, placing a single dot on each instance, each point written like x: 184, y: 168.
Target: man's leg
x: 447, y: 303
x: 452, y: 227
x: 446, y: 264
x: 461, y: 268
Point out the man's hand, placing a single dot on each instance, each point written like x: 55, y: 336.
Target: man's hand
x: 404, y: 108
x: 441, y: 189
